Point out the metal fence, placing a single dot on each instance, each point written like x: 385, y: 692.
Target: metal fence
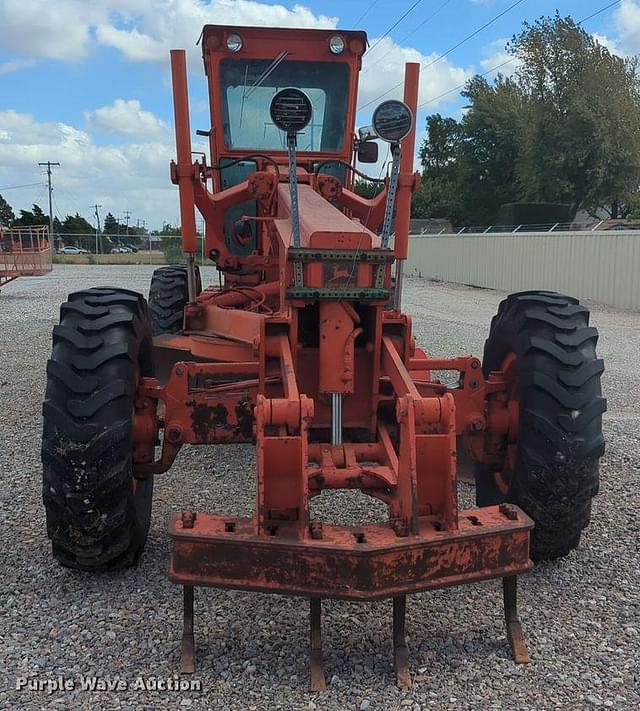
x: 599, y: 266
x: 620, y: 225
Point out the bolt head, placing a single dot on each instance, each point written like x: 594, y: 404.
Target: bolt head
x: 188, y: 519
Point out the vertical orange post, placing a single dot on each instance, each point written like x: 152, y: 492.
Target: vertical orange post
x: 406, y: 182
x: 183, y: 149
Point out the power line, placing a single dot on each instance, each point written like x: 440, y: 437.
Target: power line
x: 366, y: 12
x: 396, y: 23
x: 409, y: 34
x: 449, y: 51
x: 55, y: 204
x: 512, y: 59
x: 16, y: 187
x: 462, y: 86
x: 600, y: 11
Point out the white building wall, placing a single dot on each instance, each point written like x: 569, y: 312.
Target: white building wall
x: 600, y: 266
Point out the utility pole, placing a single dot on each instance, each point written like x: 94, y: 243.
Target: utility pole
x: 49, y: 164
x: 127, y: 215
x: 96, y: 207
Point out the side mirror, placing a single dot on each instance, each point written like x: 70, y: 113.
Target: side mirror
x: 368, y: 152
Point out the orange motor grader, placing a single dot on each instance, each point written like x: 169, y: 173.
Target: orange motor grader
x: 303, y: 350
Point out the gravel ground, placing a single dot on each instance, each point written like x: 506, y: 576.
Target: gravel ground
x: 580, y: 615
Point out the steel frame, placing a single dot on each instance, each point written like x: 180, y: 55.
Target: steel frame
x: 24, y: 251
x: 262, y: 360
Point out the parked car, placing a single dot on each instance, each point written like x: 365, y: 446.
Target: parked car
x: 120, y: 250
x: 72, y: 250
x: 131, y: 248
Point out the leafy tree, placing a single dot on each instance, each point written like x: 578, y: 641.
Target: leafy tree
x: 440, y: 192
x: 563, y: 130
x: 32, y: 217
x: 439, y: 151
x: 6, y: 213
x: 580, y: 142
x: 76, y: 224
x: 489, y: 152
x: 111, y: 226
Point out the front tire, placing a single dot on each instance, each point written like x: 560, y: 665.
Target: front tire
x: 168, y: 295
x: 544, y: 342
x: 98, y: 515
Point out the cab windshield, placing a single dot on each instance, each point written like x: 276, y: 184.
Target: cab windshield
x: 246, y: 101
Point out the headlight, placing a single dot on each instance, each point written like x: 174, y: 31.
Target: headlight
x: 392, y: 121
x: 291, y: 110
x: 234, y: 43
x: 336, y: 44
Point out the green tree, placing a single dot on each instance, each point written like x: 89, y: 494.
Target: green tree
x: 76, y: 224
x: 488, y: 153
x: 580, y: 141
x: 32, y: 217
x: 6, y: 213
x: 565, y: 129
x: 111, y: 226
x: 440, y: 192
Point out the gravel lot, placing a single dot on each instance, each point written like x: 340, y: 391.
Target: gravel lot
x: 580, y: 615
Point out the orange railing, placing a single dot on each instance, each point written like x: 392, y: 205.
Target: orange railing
x: 24, y: 251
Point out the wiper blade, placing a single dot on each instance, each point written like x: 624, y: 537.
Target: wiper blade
x: 276, y: 62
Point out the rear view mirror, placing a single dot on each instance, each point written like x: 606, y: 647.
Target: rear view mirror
x: 368, y: 152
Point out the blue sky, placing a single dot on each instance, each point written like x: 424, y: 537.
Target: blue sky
x: 87, y: 84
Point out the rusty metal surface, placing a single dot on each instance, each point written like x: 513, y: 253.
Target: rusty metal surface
x: 24, y: 251
x: 300, y: 352
x: 187, y: 649
x: 366, y: 563
x: 512, y: 621
x: 400, y: 651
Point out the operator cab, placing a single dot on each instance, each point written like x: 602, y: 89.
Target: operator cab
x: 247, y: 66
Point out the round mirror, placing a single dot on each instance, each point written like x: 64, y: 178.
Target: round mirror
x: 392, y: 121
x: 291, y: 110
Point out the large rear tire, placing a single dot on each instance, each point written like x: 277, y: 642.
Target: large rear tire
x: 544, y: 342
x: 98, y: 515
x: 168, y: 295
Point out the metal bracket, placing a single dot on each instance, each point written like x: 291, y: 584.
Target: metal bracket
x: 293, y: 189
x: 312, y: 293
x: 318, y: 682
x: 391, y: 197
x: 188, y: 651
x: 400, y: 652
x: 514, y: 627
x: 373, y: 256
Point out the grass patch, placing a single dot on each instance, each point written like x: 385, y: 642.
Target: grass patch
x: 132, y: 258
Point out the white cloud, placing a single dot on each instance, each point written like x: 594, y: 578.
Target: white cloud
x: 610, y: 44
x: 627, y: 20
x: 383, y: 69
x: 54, y: 30
x: 127, y: 118
x: 121, y: 177
x: 498, y: 60
x: 15, y: 65
x: 141, y: 29
x: 178, y: 23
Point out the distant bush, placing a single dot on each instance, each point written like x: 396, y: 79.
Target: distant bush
x: 533, y: 213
